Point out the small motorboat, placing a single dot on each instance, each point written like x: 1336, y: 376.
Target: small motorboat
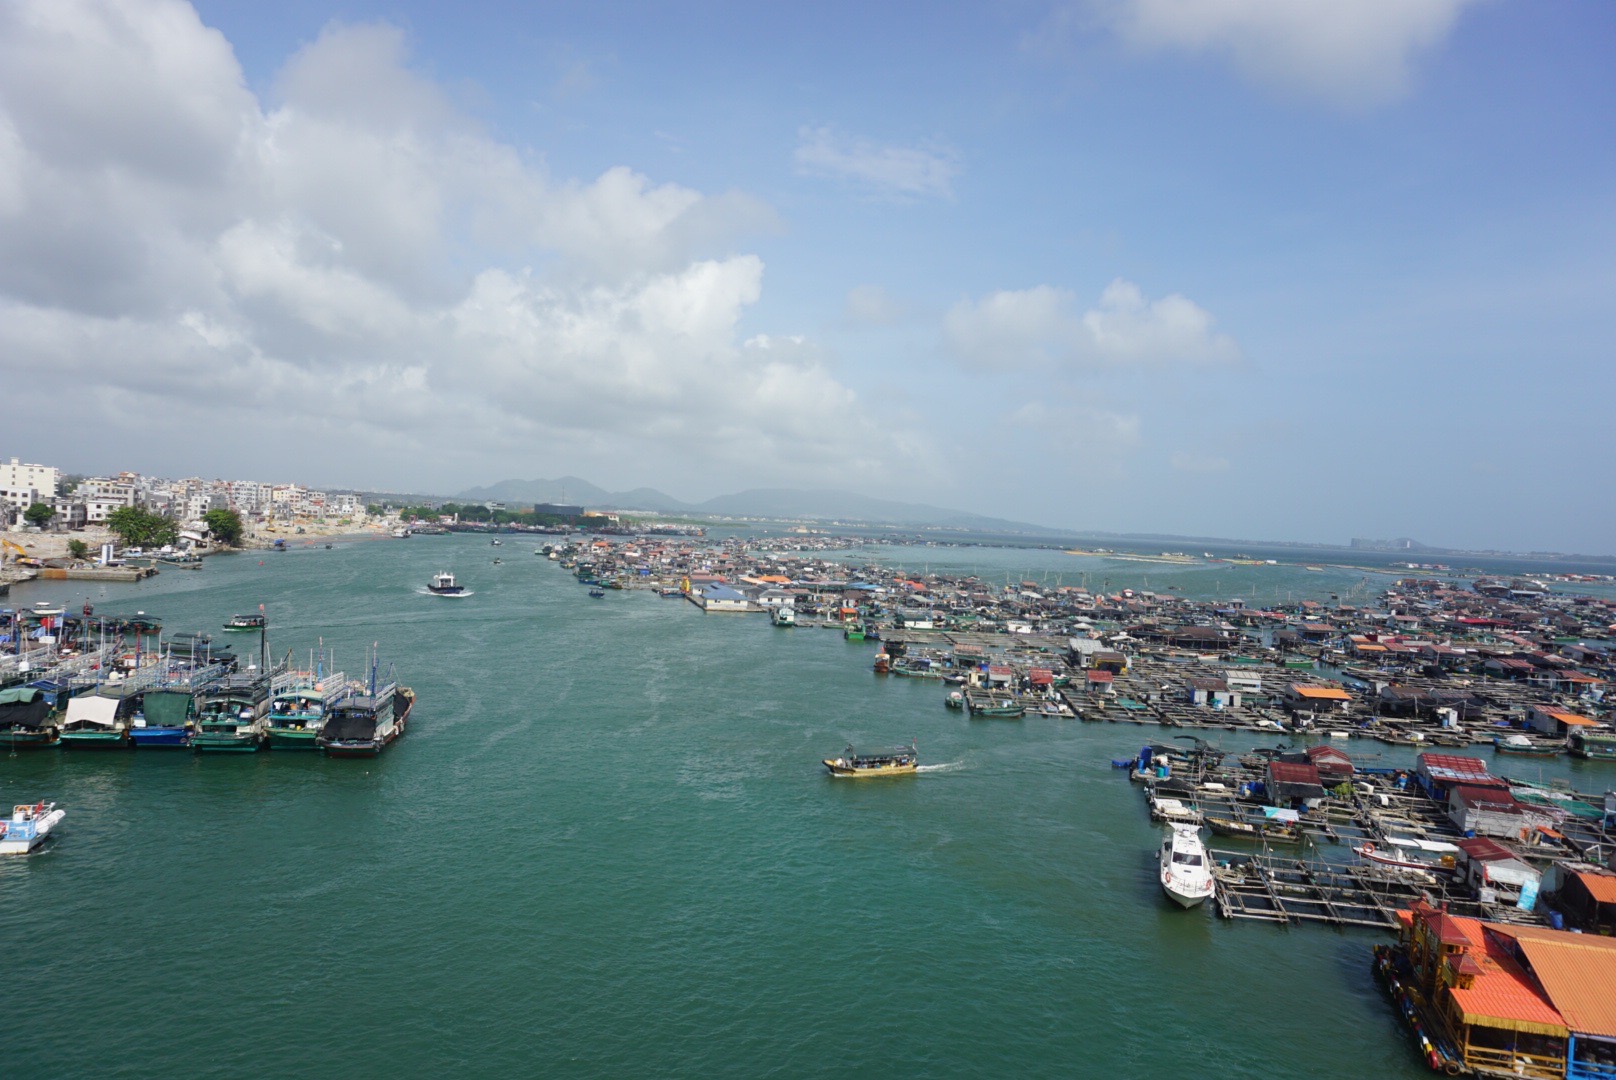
x: 28, y: 827
x: 444, y: 584
x: 898, y: 761
x: 1410, y: 855
x: 241, y: 623
x: 597, y: 593
x: 496, y: 542
x: 1186, y: 876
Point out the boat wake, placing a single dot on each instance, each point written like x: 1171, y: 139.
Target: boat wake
x: 948, y: 766
x: 424, y: 591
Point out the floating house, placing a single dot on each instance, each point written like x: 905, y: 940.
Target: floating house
x: 1304, y: 697
x: 1505, y: 1000
x: 716, y: 597
x: 1213, y: 692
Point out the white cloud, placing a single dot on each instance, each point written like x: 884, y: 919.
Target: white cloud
x: 901, y: 171
x: 1041, y: 327
x: 1349, y: 52
x: 358, y: 260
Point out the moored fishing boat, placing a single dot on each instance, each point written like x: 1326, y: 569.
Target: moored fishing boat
x: 366, y: 722
x: 854, y: 632
x: 28, y: 827
x: 28, y: 719
x: 165, y: 719
x: 1186, y: 876
x: 99, y: 721
x: 232, y: 715
x: 1268, y: 830
x: 1520, y: 744
x: 198, y: 649
x: 898, y: 761
x: 298, y: 712
x: 1594, y: 744
x: 783, y: 615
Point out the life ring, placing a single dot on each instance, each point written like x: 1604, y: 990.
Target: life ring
x: 1368, y: 848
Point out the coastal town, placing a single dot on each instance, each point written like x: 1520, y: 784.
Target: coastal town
x: 1258, y: 720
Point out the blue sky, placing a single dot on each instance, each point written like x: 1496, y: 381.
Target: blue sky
x: 1252, y: 268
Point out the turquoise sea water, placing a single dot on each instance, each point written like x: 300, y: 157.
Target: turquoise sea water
x: 606, y: 848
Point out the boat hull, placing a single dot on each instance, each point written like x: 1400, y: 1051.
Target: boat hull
x: 1185, y: 899
x: 94, y: 740
x: 840, y: 768
x: 293, y: 738
x: 162, y: 738
x: 30, y: 739
x: 226, y: 744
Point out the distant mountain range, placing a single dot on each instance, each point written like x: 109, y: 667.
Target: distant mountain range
x: 777, y: 503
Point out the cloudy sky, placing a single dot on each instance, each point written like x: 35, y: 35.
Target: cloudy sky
x: 1251, y: 268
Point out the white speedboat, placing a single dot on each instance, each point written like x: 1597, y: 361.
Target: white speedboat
x: 28, y: 827
x: 1186, y: 876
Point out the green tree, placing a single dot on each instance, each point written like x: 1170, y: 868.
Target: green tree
x: 39, y: 513
x: 78, y: 549
x: 224, y: 526
x: 142, y: 528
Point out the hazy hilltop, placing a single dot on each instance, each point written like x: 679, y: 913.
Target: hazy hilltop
x: 789, y: 503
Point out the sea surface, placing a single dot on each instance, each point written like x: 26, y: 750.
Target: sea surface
x: 606, y: 848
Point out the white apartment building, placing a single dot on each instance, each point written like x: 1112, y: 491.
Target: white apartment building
x: 23, y: 485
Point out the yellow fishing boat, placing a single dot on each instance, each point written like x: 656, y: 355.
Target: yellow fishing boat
x: 898, y: 761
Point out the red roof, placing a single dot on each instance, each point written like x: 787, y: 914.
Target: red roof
x: 1498, y: 799
x: 1292, y: 772
x: 1100, y: 676
x: 1481, y: 849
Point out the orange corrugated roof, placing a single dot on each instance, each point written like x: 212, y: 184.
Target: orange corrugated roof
x: 1602, y: 887
x: 1578, y: 973
x: 1323, y: 693
x: 1573, y: 719
x: 1504, y: 994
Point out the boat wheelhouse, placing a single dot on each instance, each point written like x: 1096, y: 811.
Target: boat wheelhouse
x: 897, y: 761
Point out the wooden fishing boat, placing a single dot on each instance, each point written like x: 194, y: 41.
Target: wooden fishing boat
x: 898, y: 761
x: 1265, y: 831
